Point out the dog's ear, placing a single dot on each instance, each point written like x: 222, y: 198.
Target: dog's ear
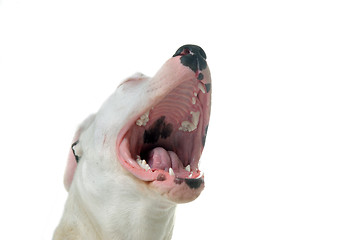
x: 75, y: 152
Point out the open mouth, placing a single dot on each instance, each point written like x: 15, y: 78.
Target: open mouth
x: 166, y: 141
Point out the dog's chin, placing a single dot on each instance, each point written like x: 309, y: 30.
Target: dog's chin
x: 177, y: 191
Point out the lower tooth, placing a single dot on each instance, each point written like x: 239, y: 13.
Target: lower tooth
x: 138, y: 160
x: 142, y: 163
x: 171, y: 172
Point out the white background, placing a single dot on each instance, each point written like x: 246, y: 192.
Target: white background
x: 282, y: 159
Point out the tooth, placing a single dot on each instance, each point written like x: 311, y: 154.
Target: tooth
x: 195, y: 94
x: 171, y: 172
x: 201, y: 87
x: 142, y: 121
x: 145, y: 167
x: 193, y: 100
x: 195, y: 118
x: 142, y: 163
x: 201, y: 174
x: 187, y: 168
x: 187, y: 126
x: 190, y: 175
x: 138, y: 160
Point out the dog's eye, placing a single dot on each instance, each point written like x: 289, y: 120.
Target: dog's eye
x: 76, y: 151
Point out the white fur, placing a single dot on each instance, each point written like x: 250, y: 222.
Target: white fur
x: 106, y: 201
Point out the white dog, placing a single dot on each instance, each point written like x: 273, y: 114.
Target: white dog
x: 132, y: 162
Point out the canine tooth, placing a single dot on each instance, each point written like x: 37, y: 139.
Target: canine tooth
x: 201, y: 87
x: 187, y: 168
x: 142, y: 121
x: 195, y: 94
x: 171, y: 172
x: 193, y: 100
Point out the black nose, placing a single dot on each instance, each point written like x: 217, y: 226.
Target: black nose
x: 193, y: 57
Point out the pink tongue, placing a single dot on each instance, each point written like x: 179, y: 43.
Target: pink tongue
x: 159, y: 158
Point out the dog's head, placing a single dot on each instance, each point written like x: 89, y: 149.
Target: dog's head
x: 150, y: 131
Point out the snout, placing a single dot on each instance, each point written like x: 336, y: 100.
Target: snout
x: 193, y: 57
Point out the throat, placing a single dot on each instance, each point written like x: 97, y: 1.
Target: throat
x: 157, y: 221
x: 139, y: 216
x: 147, y: 219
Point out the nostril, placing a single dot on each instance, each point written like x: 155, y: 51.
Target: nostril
x: 186, y: 51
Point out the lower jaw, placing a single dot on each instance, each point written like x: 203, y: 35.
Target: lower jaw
x: 174, y: 188
x: 177, y: 190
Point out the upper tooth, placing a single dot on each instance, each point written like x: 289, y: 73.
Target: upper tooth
x: 187, y: 126
x: 171, y: 172
x: 193, y: 100
x: 142, y: 121
x: 187, y: 168
x: 195, y: 118
x: 201, y: 87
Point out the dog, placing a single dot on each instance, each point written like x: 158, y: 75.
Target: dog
x: 133, y: 161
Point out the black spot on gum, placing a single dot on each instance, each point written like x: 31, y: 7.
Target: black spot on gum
x: 178, y: 180
x: 194, y: 183
x: 161, y: 177
x: 204, y: 137
x: 208, y: 87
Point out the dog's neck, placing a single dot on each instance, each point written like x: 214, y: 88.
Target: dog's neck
x: 123, y: 215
